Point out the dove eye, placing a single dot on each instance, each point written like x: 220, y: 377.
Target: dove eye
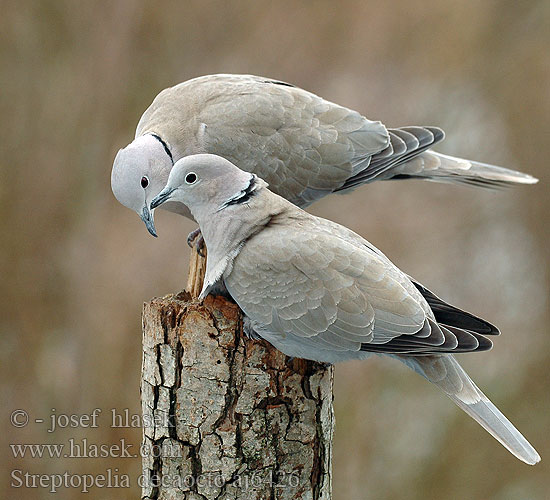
x: 144, y: 182
x: 191, y: 177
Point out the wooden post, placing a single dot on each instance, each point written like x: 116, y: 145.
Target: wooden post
x: 197, y: 270
x: 225, y: 416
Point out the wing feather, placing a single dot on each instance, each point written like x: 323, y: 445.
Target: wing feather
x: 326, y: 288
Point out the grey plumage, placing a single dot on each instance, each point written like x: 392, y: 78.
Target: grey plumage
x: 316, y: 290
x: 304, y: 146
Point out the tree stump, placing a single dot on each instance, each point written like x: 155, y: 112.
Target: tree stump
x: 227, y: 417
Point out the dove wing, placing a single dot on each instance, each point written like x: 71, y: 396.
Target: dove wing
x: 303, y: 284
x: 304, y: 146
x: 312, y: 287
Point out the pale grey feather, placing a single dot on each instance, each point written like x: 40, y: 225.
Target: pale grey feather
x: 304, y: 146
x: 447, y: 374
x: 316, y: 290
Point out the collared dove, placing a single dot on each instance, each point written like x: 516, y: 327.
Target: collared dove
x: 304, y: 146
x: 319, y: 291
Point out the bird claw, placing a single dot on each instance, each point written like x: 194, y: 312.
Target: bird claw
x: 200, y: 246
x: 249, y: 331
x: 192, y: 236
x: 196, y: 241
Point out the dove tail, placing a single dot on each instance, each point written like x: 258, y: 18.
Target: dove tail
x: 445, y: 372
x: 408, y: 155
x: 438, y: 167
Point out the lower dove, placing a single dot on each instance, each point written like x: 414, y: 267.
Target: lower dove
x: 316, y: 290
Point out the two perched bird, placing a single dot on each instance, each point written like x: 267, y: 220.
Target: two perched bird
x: 310, y: 287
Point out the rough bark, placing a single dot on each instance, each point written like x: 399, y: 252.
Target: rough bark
x: 226, y: 417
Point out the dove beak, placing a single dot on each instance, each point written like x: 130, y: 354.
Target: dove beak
x: 147, y: 218
x: 160, y: 198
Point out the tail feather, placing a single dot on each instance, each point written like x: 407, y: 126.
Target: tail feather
x: 445, y: 372
x: 442, y: 168
x: 450, y: 315
x: 408, y: 155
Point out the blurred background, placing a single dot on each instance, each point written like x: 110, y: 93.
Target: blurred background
x: 76, y: 266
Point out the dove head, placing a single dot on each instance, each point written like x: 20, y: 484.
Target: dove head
x: 207, y: 184
x: 140, y: 171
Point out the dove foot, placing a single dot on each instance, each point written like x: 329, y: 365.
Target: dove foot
x: 196, y: 241
x: 248, y: 330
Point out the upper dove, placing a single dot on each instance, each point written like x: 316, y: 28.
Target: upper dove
x: 304, y: 146
x: 319, y: 291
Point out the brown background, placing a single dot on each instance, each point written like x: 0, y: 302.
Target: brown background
x: 76, y: 266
